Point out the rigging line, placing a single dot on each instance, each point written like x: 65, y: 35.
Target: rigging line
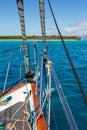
x: 9, y: 50
x: 20, y: 64
x: 20, y: 6
x: 38, y: 60
x: 17, y: 82
x: 68, y: 113
x: 25, y: 117
x: 42, y: 19
x: 17, y: 110
x: 44, y: 102
x: 48, y: 67
x: 44, y: 79
x: 54, y: 117
x: 41, y: 74
x: 69, y: 58
x: 35, y: 56
x: 49, y: 101
x: 36, y: 63
x: 7, y: 73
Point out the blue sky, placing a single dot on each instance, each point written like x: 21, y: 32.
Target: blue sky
x: 71, y: 16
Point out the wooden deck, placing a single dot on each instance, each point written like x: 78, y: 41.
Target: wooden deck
x: 41, y: 124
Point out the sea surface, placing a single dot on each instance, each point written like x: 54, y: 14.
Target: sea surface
x: 78, y: 53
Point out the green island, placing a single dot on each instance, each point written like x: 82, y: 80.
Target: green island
x: 53, y: 37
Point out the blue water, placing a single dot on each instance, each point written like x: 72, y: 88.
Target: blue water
x: 78, y: 53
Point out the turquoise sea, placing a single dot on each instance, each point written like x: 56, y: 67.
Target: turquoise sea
x: 78, y: 53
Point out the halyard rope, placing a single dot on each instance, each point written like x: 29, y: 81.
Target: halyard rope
x: 68, y: 56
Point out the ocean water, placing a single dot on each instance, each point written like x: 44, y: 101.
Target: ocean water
x: 78, y: 53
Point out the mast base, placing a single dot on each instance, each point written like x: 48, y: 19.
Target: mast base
x: 44, y: 58
x: 29, y: 75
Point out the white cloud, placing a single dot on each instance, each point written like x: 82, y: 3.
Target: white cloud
x: 79, y: 29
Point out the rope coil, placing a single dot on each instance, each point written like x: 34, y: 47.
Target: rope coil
x: 25, y: 119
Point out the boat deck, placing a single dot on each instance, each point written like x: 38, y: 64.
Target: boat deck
x: 7, y: 113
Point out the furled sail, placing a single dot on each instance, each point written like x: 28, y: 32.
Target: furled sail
x: 42, y: 18
x: 22, y: 22
x: 29, y: 74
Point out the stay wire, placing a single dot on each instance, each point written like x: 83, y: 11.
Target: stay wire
x: 8, y: 68
x: 69, y: 58
x: 9, y: 50
x: 54, y: 118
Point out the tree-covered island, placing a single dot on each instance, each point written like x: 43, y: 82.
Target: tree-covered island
x: 53, y: 37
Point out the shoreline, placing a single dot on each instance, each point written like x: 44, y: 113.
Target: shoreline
x: 39, y: 40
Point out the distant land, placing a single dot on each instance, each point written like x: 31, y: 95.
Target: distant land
x: 53, y: 37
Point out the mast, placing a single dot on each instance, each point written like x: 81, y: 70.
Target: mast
x: 44, y: 82
x: 29, y: 74
x: 42, y: 19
